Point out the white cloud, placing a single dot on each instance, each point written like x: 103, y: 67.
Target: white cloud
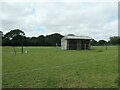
x: 95, y: 19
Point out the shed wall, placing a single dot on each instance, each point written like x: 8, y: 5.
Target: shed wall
x: 75, y: 44
x: 64, y: 44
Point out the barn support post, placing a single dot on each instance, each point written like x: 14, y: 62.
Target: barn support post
x: 67, y: 44
x: 85, y: 46
x: 89, y: 45
x: 78, y: 45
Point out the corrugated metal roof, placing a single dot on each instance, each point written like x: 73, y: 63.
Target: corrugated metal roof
x: 76, y: 37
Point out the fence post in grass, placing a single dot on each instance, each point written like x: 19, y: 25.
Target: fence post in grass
x: 22, y: 49
x: 106, y: 46
x: 14, y: 50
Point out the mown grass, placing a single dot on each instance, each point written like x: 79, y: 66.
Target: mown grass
x: 51, y: 67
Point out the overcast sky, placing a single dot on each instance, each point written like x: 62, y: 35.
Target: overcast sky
x: 98, y: 20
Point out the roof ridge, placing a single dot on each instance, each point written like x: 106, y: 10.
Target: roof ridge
x: 76, y: 37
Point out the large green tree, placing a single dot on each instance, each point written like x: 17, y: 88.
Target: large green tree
x: 13, y: 33
x: 94, y: 42
x: 53, y: 39
x: 18, y: 40
x: 14, y: 37
x: 115, y: 40
x: 102, y: 42
x: 41, y: 40
x: 1, y: 36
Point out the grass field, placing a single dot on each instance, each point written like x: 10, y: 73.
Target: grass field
x: 51, y: 67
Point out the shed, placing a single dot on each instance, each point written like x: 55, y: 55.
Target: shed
x: 73, y: 42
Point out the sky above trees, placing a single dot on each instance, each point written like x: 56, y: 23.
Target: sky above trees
x: 95, y: 19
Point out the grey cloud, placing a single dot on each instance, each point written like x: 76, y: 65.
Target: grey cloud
x: 79, y: 18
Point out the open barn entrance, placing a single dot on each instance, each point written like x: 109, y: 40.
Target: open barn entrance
x: 72, y: 44
x: 78, y: 44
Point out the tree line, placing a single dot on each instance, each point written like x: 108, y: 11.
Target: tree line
x: 17, y: 37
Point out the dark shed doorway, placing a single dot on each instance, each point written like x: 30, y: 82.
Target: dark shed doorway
x: 72, y: 44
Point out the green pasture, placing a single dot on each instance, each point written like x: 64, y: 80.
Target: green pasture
x: 51, y: 67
